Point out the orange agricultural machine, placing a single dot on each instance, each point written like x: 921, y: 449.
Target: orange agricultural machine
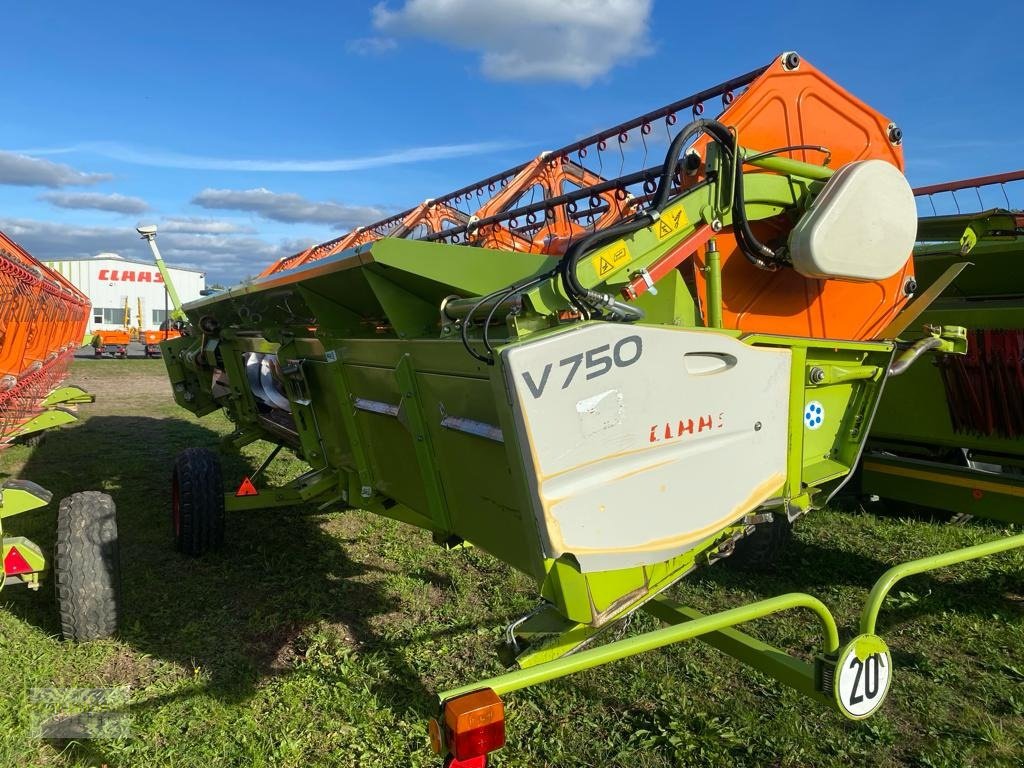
x: 42, y: 321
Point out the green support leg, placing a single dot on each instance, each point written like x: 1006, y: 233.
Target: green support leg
x: 49, y: 419
x: 18, y: 496
x: 322, y: 484
x: 68, y: 395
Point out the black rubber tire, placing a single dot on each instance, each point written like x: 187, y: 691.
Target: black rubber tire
x: 761, y: 548
x: 33, y: 440
x: 86, y: 567
x: 197, y: 502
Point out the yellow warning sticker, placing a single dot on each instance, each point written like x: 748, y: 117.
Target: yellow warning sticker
x: 670, y: 223
x: 610, y: 259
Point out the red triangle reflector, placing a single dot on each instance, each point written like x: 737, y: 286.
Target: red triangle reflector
x: 247, y: 488
x: 15, y: 563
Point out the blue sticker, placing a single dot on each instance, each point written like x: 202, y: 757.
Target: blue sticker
x: 814, y: 415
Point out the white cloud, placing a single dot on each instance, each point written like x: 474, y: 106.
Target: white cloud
x: 199, y: 226
x: 288, y: 207
x: 574, y: 40
x: 371, y: 46
x: 224, y: 258
x: 96, y: 201
x: 161, y: 159
x: 24, y: 171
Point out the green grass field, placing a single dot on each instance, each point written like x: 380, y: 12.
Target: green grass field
x: 318, y: 639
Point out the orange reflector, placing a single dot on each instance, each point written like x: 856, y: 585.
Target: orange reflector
x: 474, y: 724
x: 15, y: 563
x: 435, y: 736
x: 247, y: 488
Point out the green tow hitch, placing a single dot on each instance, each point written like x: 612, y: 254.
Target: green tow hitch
x: 854, y: 678
x: 474, y: 715
x: 683, y: 628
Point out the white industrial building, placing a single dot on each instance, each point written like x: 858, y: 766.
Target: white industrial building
x: 114, y: 284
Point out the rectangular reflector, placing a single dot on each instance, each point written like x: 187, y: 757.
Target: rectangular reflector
x: 475, y: 724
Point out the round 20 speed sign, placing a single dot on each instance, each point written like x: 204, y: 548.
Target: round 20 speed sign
x: 863, y: 675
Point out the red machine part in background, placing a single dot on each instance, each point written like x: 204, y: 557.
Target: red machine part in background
x: 43, y: 318
x: 985, y: 387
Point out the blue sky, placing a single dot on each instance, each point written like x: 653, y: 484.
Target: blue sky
x: 249, y: 130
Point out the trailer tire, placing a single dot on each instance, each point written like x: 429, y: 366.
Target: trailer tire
x: 197, y: 502
x: 762, y: 547
x: 86, y: 567
x: 32, y: 440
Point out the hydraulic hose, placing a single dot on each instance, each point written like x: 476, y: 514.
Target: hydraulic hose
x: 910, y: 356
x: 758, y: 254
x: 569, y: 263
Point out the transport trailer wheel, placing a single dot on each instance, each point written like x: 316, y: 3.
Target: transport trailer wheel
x: 87, y: 567
x: 197, y: 502
x: 33, y: 440
x: 761, y: 548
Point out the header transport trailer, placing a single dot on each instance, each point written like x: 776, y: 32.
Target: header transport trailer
x: 42, y: 320
x: 604, y: 378
x: 951, y: 435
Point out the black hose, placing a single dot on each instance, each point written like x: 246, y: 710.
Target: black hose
x: 759, y: 255
x: 586, y: 300
x: 568, y: 264
x: 504, y: 293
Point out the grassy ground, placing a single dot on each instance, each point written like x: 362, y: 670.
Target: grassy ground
x: 318, y: 639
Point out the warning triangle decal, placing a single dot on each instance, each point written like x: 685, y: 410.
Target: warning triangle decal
x: 247, y: 488
x: 16, y: 563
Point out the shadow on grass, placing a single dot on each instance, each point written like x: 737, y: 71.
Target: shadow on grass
x: 235, y: 614
x: 810, y: 567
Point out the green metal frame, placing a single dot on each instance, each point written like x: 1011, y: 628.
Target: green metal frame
x: 20, y: 496
x: 887, y: 581
x: 817, y: 680
x: 58, y: 408
x: 370, y: 377
x: 945, y: 486
x: 396, y: 460
x: 685, y: 624
x: 912, y: 440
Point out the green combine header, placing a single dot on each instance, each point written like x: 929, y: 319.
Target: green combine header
x: 638, y: 373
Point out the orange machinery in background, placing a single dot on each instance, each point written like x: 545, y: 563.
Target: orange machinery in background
x: 788, y: 109
x: 43, y: 319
